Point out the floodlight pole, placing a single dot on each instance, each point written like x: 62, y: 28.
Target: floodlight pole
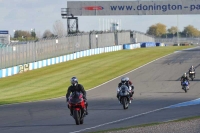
x: 177, y: 32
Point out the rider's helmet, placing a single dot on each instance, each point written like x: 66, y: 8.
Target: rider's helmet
x: 74, y: 81
x: 184, y: 75
x: 192, y: 67
x: 123, y: 80
x: 127, y: 79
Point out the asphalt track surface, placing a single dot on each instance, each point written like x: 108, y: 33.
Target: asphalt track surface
x: 157, y: 86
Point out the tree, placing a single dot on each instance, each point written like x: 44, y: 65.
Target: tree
x: 58, y: 29
x: 152, y: 30
x: 47, y: 34
x: 20, y: 33
x: 173, y: 30
x: 33, y: 34
x: 191, y: 31
x: 157, y: 30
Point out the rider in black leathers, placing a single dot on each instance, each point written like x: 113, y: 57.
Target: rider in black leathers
x: 76, y: 87
x: 192, y: 69
x: 185, y: 78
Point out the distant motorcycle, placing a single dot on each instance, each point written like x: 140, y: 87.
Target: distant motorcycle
x: 78, y: 107
x: 124, y: 96
x: 185, y: 86
x: 191, y: 75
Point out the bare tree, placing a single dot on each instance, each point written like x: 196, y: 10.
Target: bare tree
x: 58, y: 28
x: 38, y: 34
x: 47, y: 34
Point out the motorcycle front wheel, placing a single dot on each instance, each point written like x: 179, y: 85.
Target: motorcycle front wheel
x: 76, y: 117
x: 185, y: 89
x: 124, y: 102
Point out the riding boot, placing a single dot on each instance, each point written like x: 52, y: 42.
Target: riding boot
x: 71, y: 112
x: 86, y: 111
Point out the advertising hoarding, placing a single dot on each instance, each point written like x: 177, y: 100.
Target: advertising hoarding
x: 101, y: 8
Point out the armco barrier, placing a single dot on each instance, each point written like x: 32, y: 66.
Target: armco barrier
x: 39, y: 64
x: 160, y: 44
x: 148, y: 44
x: 131, y: 46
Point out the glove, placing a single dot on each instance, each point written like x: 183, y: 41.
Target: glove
x: 67, y: 100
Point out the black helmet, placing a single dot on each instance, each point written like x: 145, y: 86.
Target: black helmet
x: 74, y: 81
x: 123, y: 80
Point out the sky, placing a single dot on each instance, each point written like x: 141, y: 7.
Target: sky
x: 42, y: 14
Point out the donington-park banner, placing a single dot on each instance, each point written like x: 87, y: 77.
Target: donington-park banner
x: 172, y: 7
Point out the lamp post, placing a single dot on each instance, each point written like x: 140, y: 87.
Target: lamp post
x: 177, y: 31
x: 96, y: 41
x: 14, y: 34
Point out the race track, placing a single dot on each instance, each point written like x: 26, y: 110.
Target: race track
x: 157, y: 86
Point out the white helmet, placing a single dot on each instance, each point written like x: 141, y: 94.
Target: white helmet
x: 123, y: 80
x: 184, y: 74
x: 127, y: 78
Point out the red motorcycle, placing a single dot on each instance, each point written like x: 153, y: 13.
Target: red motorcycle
x: 77, y: 107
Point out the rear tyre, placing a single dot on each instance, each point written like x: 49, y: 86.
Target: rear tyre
x: 76, y: 117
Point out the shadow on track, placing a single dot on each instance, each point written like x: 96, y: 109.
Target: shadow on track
x: 55, y: 125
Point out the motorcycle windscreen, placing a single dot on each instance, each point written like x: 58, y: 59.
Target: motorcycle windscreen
x: 124, y: 90
x: 76, y: 98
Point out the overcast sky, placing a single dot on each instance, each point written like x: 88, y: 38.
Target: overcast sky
x: 42, y: 14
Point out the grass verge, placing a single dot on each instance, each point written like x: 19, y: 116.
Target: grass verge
x: 147, y: 125
x: 53, y: 81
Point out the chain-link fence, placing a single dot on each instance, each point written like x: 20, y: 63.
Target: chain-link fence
x: 26, y: 52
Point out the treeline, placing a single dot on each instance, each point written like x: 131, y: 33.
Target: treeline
x: 160, y: 30
x: 33, y: 35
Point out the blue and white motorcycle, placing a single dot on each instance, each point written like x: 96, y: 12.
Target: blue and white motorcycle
x: 124, y: 96
x: 185, y: 86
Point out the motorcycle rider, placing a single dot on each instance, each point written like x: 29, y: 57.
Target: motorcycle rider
x: 130, y: 84
x: 184, y: 78
x: 123, y: 82
x: 75, y: 86
x: 192, y: 69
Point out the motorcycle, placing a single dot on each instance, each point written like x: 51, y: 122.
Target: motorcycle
x: 185, y: 85
x: 124, y: 96
x: 191, y: 75
x: 77, y: 107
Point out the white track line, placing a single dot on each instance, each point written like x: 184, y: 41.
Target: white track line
x: 98, y: 85
x: 119, y: 120
x: 168, y: 107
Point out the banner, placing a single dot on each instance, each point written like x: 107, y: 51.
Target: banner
x: 101, y: 8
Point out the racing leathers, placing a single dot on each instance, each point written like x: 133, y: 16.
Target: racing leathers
x: 184, y: 78
x: 78, y: 88
x: 192, y: 69
x: 129, y: 85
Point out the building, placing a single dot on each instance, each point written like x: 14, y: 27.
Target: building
x: 4, y: 37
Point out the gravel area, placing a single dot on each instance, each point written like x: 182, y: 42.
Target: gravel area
x: 188, y: 126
